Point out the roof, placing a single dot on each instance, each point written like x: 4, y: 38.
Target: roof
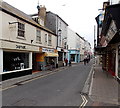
x: 5, y: 7
x: 57, y: 16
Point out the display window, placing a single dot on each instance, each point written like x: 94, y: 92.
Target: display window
x: 15, y: 61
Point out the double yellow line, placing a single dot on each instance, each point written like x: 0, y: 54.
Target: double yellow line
x: 85, y: 101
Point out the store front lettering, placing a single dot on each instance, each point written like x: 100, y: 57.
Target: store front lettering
x: 20, y: 47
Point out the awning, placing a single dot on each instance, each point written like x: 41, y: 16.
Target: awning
x: 48, y: 54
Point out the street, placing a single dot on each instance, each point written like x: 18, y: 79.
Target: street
x: 59, y: 89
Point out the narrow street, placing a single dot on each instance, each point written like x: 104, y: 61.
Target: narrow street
x: 60, y: 89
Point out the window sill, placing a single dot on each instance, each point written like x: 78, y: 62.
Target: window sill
x: 19, y: 37
x: 39, y: 42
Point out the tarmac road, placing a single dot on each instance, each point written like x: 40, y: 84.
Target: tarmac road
x: 59, y: 89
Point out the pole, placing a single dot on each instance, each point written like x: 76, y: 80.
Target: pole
x: 94, y: 44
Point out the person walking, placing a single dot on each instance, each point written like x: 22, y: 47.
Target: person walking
x: 85, y: 60
x: 66, y: 61
x: 70, y: 63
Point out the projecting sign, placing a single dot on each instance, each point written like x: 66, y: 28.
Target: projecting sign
x: 111, y: 31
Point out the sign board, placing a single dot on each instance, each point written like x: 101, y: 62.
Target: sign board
x: 111, y: 31
x: 47, y: 50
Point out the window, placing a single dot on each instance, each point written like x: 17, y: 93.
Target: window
x: 38, y: 36
x: 15, y: 61
x: 49, y: 39
x: 45, y: 38
x: 21, y: 29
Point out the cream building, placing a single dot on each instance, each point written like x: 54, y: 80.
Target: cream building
x: 25, y: 45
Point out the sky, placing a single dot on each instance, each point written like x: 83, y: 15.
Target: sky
x: 78, y: 14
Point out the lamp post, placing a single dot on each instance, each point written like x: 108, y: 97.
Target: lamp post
x: 58, y: 35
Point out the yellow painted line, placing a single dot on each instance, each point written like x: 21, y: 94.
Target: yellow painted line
x: 39, y: 77
x: 82, y: 102
x: 8, y: 87
x: 42, y: 76
x: 85, y: 101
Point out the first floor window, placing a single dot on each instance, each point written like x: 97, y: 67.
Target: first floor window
x: 21, y: 29
x: 38, y: 36
x: 15, y: 61
x: 49, y: 39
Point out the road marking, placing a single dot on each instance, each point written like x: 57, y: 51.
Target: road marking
x: 42, y: 76
x: 8, y: 87
x: 85, y: 101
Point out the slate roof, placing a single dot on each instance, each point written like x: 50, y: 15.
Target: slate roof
x: 5, y: 7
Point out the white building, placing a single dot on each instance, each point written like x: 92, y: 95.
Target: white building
x: 24, y: 44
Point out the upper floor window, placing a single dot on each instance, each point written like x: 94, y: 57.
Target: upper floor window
x: 49, y: 39
x: 46, y: 38
x: 21, y: 29
x: 38, y: 36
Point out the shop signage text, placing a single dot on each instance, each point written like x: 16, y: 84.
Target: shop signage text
x: 47, y: 50
x: 20, y: 47
x: 111, y: 32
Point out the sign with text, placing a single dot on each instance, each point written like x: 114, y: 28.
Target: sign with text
x: 111, y: 31
x: 47, y: 50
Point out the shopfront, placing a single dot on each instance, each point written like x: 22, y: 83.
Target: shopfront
x: 45, y: 59
x: 16, y: 59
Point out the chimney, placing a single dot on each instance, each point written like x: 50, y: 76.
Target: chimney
x: 42, y: 12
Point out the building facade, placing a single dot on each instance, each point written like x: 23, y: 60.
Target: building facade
x: 59, y: 27
x: 109, y: 41
x: 24, y: 44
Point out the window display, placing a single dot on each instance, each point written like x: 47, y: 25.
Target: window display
x: 15, y: 61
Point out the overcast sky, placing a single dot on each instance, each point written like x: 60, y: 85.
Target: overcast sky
x: 78, y: 14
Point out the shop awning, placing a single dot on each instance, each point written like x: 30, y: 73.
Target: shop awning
x: 48, y: 54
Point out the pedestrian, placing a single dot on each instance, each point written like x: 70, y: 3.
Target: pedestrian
x: 70, y: 63
x: 85, y: 60
x: 52, y: 63
x: 66, y: 61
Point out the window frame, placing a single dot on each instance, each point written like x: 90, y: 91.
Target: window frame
x: 21, y: 30
x: 38, y: 36
x: 49, y: 39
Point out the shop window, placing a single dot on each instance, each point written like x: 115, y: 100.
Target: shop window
x: 21, y: 29
x: 49, y: 39
x: 38, y: 36
x: 15, y: 61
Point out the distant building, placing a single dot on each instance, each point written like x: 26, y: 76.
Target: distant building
x: 59, y: 27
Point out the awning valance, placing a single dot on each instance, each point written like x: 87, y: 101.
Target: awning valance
x: 48, y: 54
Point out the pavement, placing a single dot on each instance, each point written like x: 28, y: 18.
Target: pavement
x: 104, y: 88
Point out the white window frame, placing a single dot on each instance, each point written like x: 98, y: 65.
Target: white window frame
x: 21, y: 30
x: 49, y: 39
x: 38, y: 36
x: 46, y: 39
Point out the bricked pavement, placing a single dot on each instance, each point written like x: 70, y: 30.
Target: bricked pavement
x: 104, y: 89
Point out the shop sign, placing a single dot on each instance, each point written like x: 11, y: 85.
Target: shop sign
x: 20, y: 47
x: 47, y: 50
x: 111, y: 32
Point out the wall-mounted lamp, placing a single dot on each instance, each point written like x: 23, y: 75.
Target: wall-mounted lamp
x: 13, y: 22
x: 31, y: 41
